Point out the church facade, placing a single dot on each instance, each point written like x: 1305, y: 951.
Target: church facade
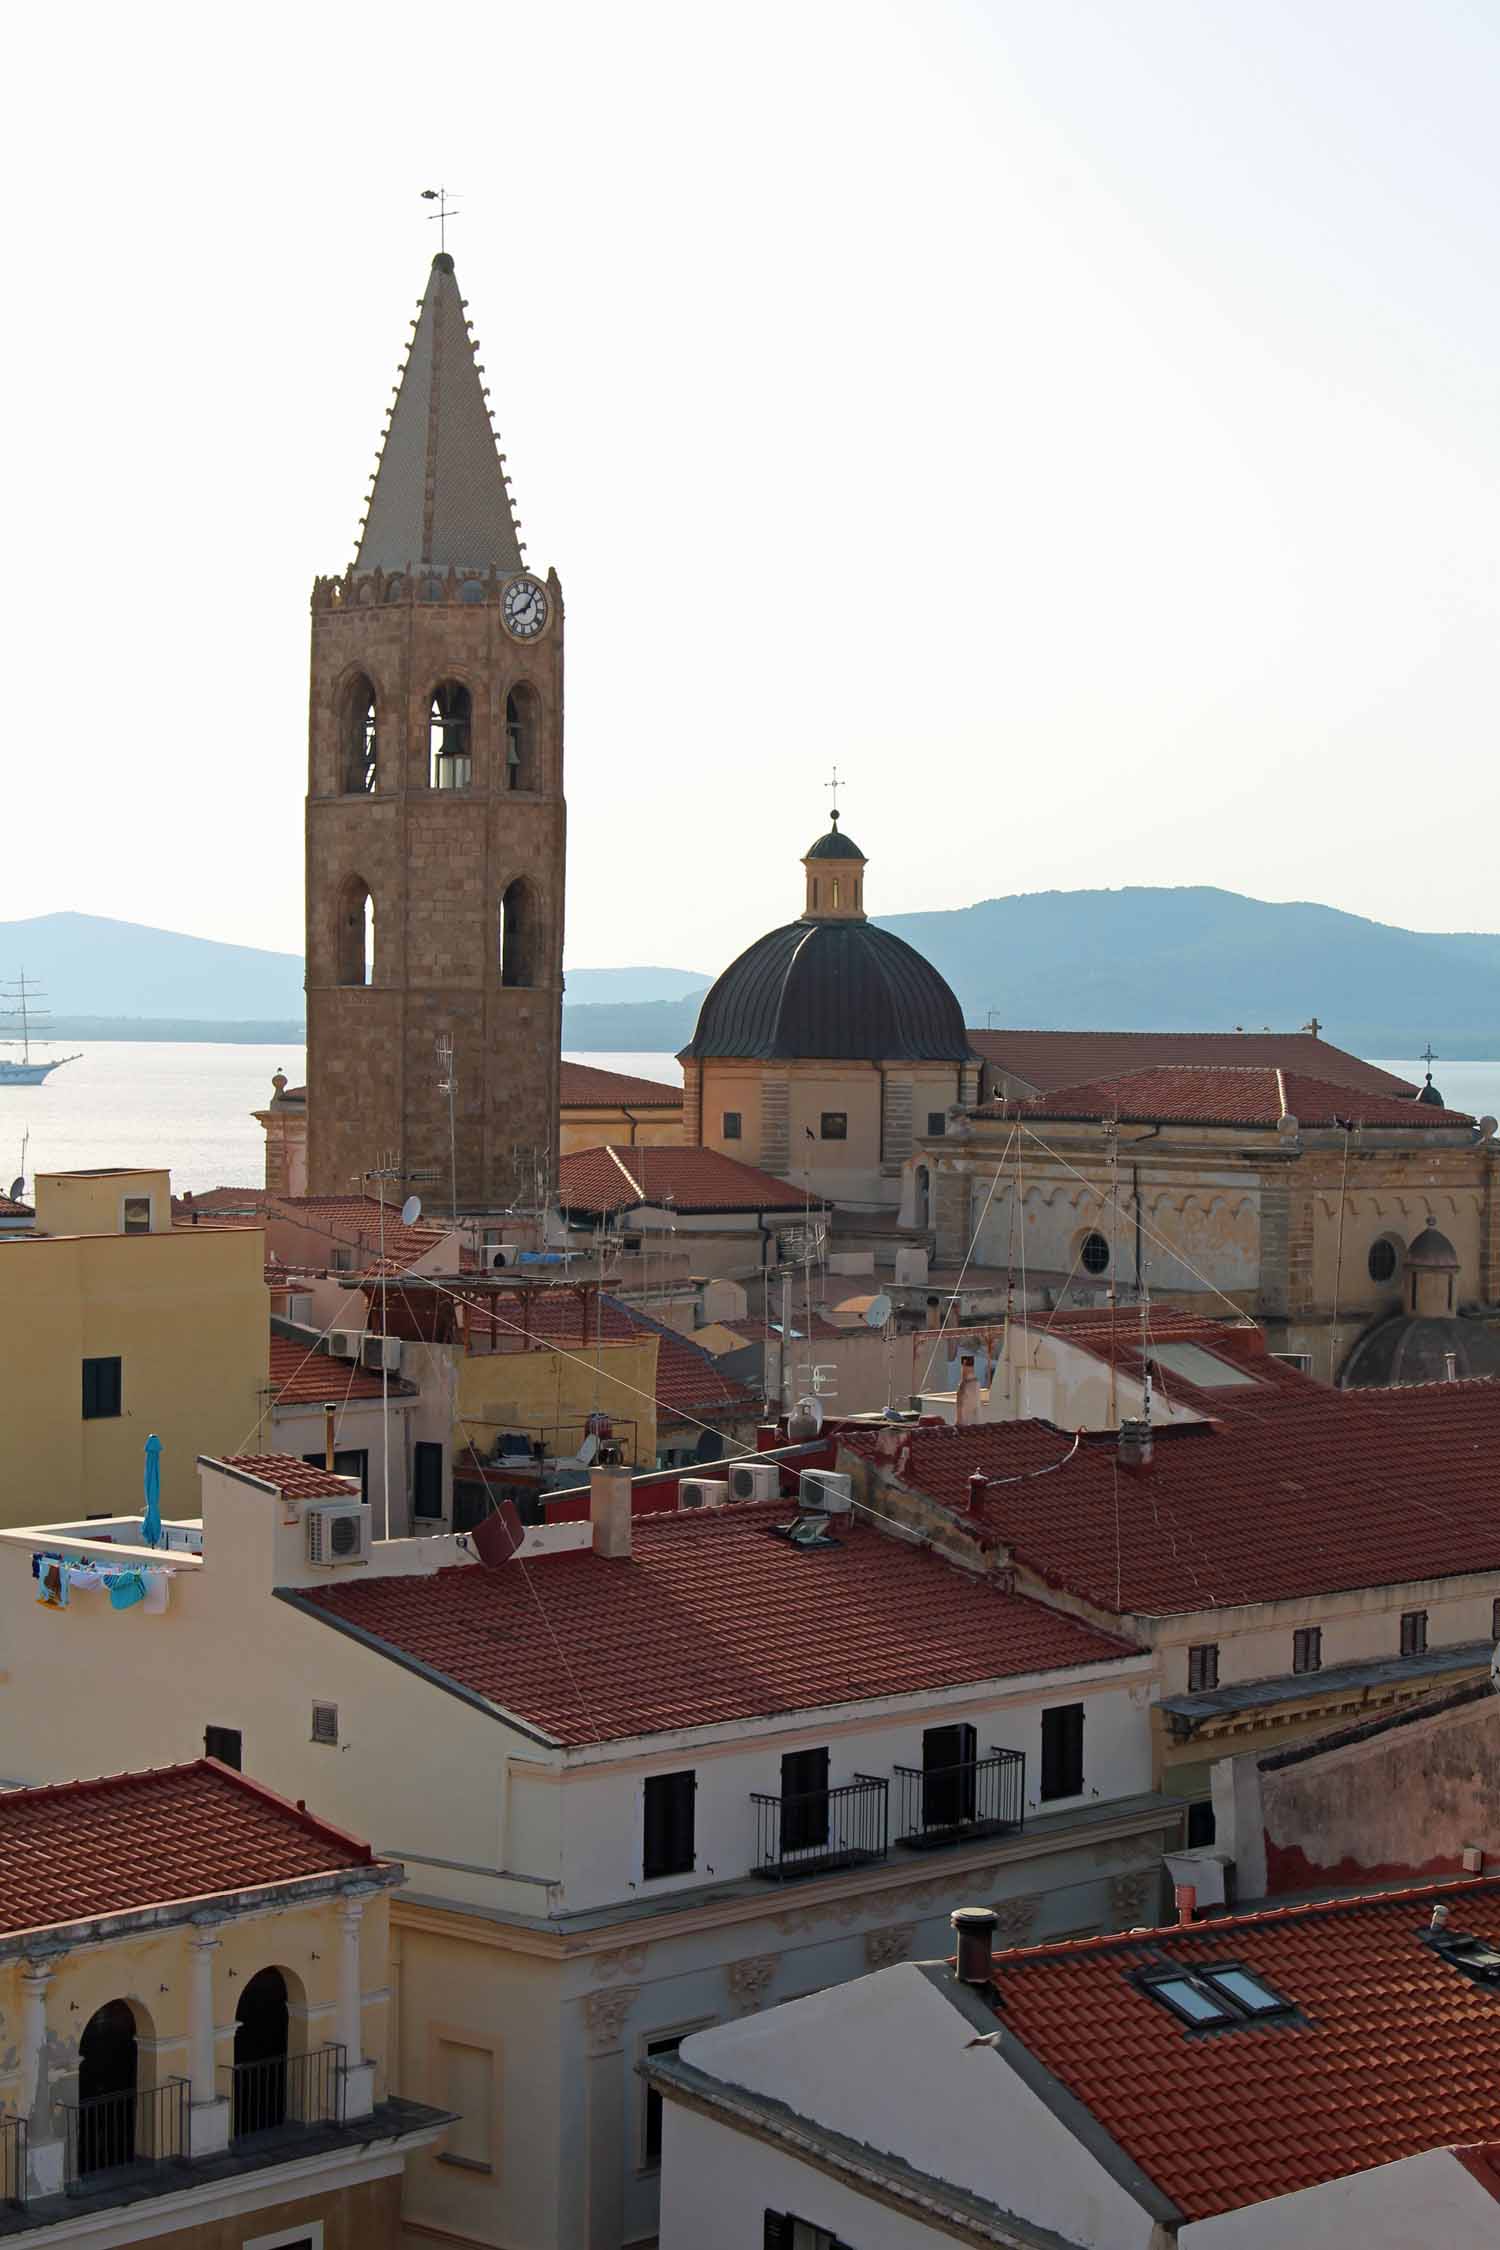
x: 436, y: 822
x: 828, y: 1046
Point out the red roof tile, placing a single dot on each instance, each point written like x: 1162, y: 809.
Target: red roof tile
x: 303, y: 1377
x: 11, y: 1209
x: 585, y: 1086
x: 713, y: 1618
x: 690, y: 1179
x: 1048, y: 1059
x: 1293, y: 1490
x: 323, y: 1224
x: 136, y: 1840
x: 1389, y: 2054
x: 299, y: 1480
x: 1183, y: 1095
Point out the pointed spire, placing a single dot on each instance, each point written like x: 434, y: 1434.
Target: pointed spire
x: 440, y: 496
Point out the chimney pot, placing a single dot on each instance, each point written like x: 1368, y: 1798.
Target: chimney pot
x: 1135, y: 1444
x: 974, y: 1933
x: 966, y: 1402
x: 979, y: 1485
x: 934, y: 1319
x: 609, y: 1512
x: 1450, y: 1367
x: 1186, y: 1895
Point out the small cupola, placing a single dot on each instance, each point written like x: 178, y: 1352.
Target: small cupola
x: 1429, y: 1093
x: 835, y: 868
x: 1432, y: 1268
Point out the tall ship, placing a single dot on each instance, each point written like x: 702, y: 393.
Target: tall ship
x: 22, y: 1071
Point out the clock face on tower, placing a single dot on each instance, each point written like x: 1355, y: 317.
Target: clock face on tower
x: 524, y: 608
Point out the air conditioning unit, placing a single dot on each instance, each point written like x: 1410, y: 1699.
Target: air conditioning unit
x: 383, y: 1351
x: 755, y: 1480
x: 828, y: 1490
x: 338, y: 1534
x: 702, y: 1492
x: 503, y: 1254
x: 345, y: 1343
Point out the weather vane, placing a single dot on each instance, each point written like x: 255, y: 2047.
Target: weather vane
x: 833, y: 788
x: 444, y: 212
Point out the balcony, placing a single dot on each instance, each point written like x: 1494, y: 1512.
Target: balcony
x: 283, y: 2095
x: 952, y: 1804
x: 820, y: 1830
x: 107, y: 2135
x: 13, y: 2163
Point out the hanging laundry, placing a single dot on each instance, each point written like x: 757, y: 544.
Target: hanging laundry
x: 85, y: 1574
x: 52, y: 1583
x: 157, y: 1582
x: 126, y: 1588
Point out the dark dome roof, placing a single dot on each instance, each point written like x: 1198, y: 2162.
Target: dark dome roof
x: 1430, y: 1094
x: 835, y: 991
x: 1433, y: 1250
x: 834, y: 845
x: 1405, y: 1349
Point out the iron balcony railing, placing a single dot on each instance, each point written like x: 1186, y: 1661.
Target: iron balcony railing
x: 13, y: 2162
x: 945, y: 1804
x: 115, y: 2132
x: 821, y: 1829
x: 284, y: 2093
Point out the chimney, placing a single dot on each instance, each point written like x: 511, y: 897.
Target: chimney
x: 1186, y: 1896
x: 934, y: 1316
x: 1135, y: 1444
x: 979, y: 1485
x: 974, y: 1933
x: 609, y: 1512
x: 1450, y: 1367
x: 966, y: 1405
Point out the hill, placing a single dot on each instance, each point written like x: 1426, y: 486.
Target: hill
x: 92, y: 967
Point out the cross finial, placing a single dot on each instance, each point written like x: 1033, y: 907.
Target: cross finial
x: 444, y: 212
x: 833, y: 788
x: 1429, y: 1057
x: 1313, y: 1026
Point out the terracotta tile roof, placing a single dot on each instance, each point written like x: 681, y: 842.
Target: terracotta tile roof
x: 585, y: 1086
x: 691, y: 1179
x: 11, y: 1209
x: 1182, y: 1095
x: 1293, y: 1490
x: 325, y: 1223
x: 1049, y: 1059
x: 136, y: 1840
x: 299, y: 1480
x: 688, y: 1382
x: 1390, y: 2053
x: 713, y: 1618
x: 302, y: 1377
x: 220, y: 1202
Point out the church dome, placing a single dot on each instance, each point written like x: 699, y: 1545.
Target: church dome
x: 834, y: 845
x: 835, y: 991
x: 1433, y: 1250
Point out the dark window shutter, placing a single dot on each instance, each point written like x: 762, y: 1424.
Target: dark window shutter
x: 778, y: 2231
x: 804, y: 1799
x: 427, y: 1479
x: 1062, y: 1751
x: 668, y: 1841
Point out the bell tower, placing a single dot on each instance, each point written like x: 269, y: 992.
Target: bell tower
x: 435, y: 814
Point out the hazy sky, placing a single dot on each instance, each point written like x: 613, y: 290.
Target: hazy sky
x: 1077, y: 417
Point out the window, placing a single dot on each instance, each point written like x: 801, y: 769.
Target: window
x: 733, y: 1125
x: 948, y: 1776
x: 325, y: 1724
x: 1062, y: 1751
x: 137, y: 1214
x: 835, y: 893
x: 466, y: 2082
x: 1216, y: 1994
x: 227, y: 1744
x: 426, y: 1479
x: 651, y: 2135
x: 448, y: 722
x: 355, y: 936
x: 1203, y: 1667
x: 1495, y: 1620
x: 669, y: 1825
x: 1382, y: 1261
x: 522, y: 730
x: 1093, y: 1253
x: 1202, y: 1828
x: 835, y: 1125
x: 101, y: 1389
x: 937, y: 1122
x: 1307, y: 1649
x: 804, y: 1800
x: 358, y: 730
x: 516, y: 937
x: 784, y: 2231
x: 1414, y: 1633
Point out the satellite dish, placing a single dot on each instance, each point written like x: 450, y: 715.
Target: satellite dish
x: 878, y: 1311
x: 411, y: 1210
x: 1487, y: 1127
x: 18, y: 1188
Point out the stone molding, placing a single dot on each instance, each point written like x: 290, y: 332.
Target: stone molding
x: 750, y: 1980
x: 624, y: 1961
x: 604, y: 2016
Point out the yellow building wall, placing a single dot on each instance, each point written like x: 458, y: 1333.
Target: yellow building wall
x: 735, y: 1086
x: 93, y: 1202
x: 188, y: 1316
x: 551, y: 1394
x: 599, y: 1123
x: 853, y: 1088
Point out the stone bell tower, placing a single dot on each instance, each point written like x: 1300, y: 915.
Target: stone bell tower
x: 435, y: 815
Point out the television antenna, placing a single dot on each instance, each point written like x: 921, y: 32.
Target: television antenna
x: 444, y: 212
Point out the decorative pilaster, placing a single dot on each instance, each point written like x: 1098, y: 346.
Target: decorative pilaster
x: 44, y: 2154
x: 359, y: 2075
x: 211, y: 2112
x: 604, y: 2015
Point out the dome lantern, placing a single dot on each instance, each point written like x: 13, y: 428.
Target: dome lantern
x: 835, y: 870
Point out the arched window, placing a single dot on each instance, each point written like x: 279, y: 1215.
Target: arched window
x: 518, y: 934
x: 260, y: 2047
x: 356, y: 933
x: 357, y: 732
x: 815, y: 894
x: 108, y: 2073
x: 449, y: 721
x: 1093, y: 1253
x: 835, y: 893
x: 523, y: 729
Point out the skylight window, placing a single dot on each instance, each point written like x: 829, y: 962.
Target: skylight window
x: 1202, y: 1369
x: 1214, y: 1995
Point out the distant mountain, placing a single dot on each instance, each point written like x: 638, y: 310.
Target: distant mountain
x: 1193, y: 959
x: 586, y: 987
x: 91, y: 966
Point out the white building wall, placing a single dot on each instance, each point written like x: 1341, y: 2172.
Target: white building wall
x: 1427, y: 2200
x: 1357, y: 1628
x: 718, y: 2184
